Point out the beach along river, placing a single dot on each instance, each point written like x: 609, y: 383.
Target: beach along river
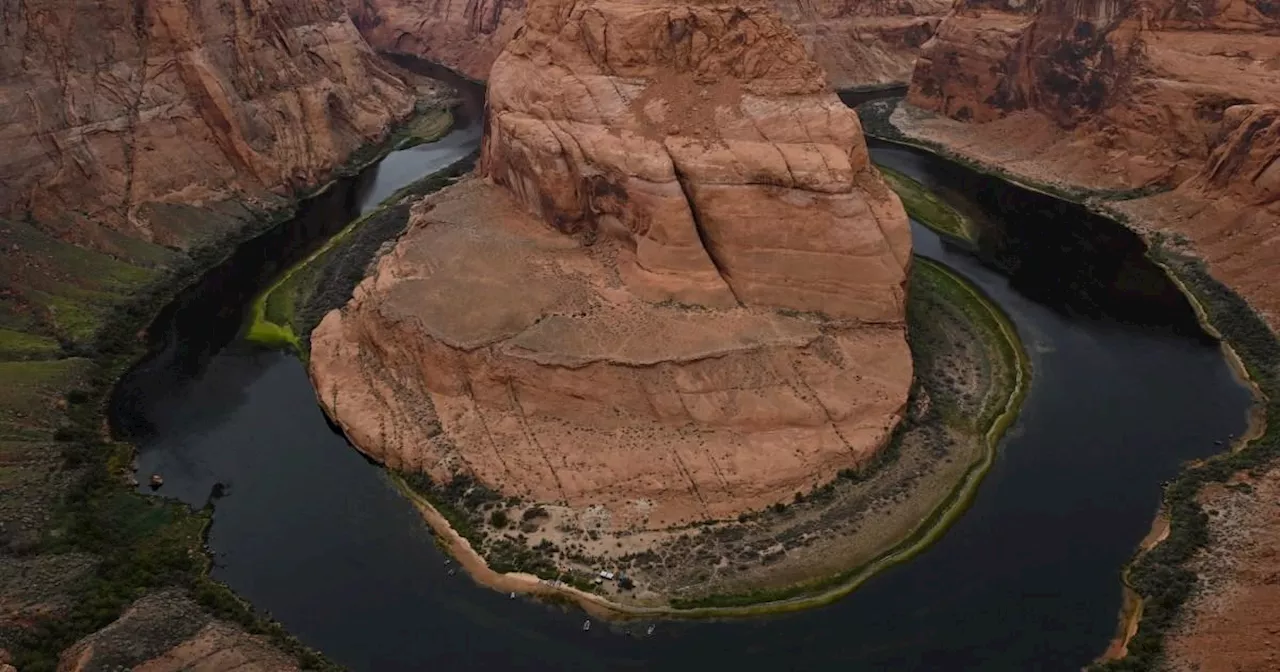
x: 1124, y: 388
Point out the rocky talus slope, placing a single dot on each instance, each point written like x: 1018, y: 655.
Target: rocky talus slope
x: 858, y: 42
x: 674, y: 293
x: 113, y: 112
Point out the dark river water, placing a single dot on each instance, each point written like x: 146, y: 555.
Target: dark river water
x: 1124, y: 389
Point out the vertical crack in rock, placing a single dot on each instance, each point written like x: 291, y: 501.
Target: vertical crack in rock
x: 703, y: 236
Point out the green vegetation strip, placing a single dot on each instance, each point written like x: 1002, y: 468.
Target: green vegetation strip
x: 927, y: 208
x: 975, y: 305
x: 91, y: 307
x: 1160, y: 575
x: 274, y: 316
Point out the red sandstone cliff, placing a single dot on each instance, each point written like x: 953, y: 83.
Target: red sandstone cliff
x: 107, y: 107
x: 1136, y: 91
x: 858, y: 42
x: 678, y: 297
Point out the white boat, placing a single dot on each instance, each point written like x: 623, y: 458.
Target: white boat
x: 586, y: 625
x: 512, y: 596
x: 650, y: 630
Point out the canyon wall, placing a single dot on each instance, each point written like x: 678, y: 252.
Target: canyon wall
x: 1133, y: 92
x: 106, y: 107
x: 1163, y: 95
x: 675, y: 294
x: 858, y: 42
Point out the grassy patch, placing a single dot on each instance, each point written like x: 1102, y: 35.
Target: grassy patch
x: 22, y: 345
x: 426, y: 128
x: 925, y: 206
x: 284, y: 314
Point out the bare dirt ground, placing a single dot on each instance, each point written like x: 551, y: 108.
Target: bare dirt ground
x: 1232, y: 622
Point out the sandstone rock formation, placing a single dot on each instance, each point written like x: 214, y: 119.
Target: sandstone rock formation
x: 110, y: 107
x: 1230, y: 208
x: 678, y: 295
x: 858, y: 42
x: 1120, y: 96
x: 1135, y: 90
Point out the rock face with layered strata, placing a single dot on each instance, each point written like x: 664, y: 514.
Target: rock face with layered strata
x: 109, y: 108
x: 1128, y: 93
x: 676, y: 294
x: 858, y: 42
x: 1122, y: 95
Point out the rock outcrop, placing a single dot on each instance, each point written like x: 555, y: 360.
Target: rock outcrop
x: 1230, y: 208
x: 858, y: 42
x: 677, y: 293
x: 1122, y: 96
x: 112, y: 107
x: 1138, y: 89
x: 169, y: 632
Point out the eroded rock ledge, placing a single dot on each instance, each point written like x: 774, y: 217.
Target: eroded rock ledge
x: 675, y: 293
x: 858, y: 43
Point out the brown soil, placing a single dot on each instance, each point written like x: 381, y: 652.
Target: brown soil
x: 1232, y: 623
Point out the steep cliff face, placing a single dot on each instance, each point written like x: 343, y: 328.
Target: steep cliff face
x: 678, y: 297
x: 1230, y: 208
x: 1139, y: 88
x: 858, y: 42
x: 465, y: 35
x: 110, y: 106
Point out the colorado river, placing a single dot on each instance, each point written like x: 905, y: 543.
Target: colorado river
x: 1124, y: 388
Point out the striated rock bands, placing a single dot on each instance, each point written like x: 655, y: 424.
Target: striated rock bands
x: 1140, y: 87
x: 699, y: 135
x: 109, y: 108
x: 858, y: 42
x: 1123, y: 95
x: 678, y: 295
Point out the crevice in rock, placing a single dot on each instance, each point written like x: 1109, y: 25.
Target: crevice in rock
x: 702, y: 233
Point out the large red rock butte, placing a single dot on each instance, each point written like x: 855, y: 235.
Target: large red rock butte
x: 858, y: 42
x: 676, y: 293
x: 112, y: 109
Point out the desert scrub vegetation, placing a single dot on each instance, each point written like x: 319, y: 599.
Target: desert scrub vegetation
x: 1160, y: 575
x: 952, y: 326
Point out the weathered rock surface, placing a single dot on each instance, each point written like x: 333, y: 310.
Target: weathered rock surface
x: 109, y: 108
x: 168, y: 632
x: 678, y: 295
x: 1116, y: 96
x: 1230, y: 209
x: 466, y: 35
x: 1140, y: 88
x: 858, y: 42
